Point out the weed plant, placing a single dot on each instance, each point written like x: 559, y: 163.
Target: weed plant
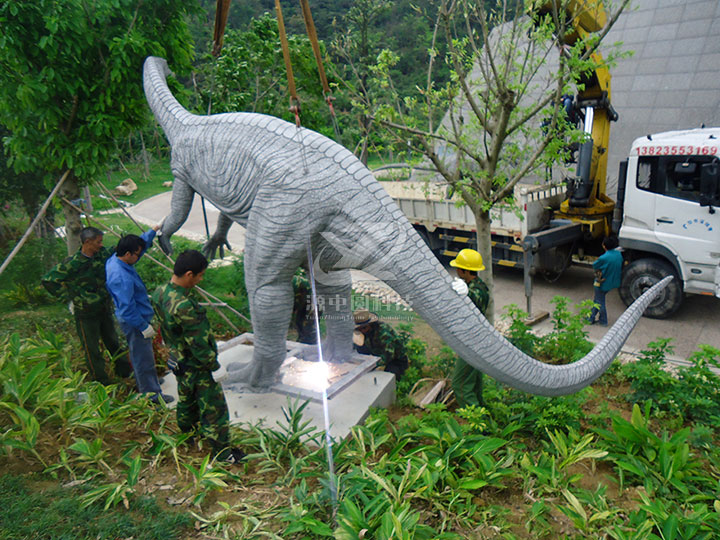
x: 687, y: 391
x: 521, y: 466
x: 566, y: 343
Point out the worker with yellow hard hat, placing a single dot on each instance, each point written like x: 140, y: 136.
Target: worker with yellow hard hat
x: 466, y: 380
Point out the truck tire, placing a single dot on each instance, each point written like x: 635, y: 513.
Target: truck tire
x: 642, y: 274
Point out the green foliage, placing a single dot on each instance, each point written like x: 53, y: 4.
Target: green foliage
x: 416, y: 359
x: 279, y: 445
x: 666, y: 519
x: 206, y: 477
x: 566, y: 343
x: 441, y: 365
x: 69, y: 76
x: 664, y: 464
x: 249, y: 76
x: 23, y: 295
x: 690, y: 392
x: 37, y: 256
x: 115, y: 493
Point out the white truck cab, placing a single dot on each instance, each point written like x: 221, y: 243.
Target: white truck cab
x: 669, y: 222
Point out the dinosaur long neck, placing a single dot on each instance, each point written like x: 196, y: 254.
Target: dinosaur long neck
x: 169, y: 113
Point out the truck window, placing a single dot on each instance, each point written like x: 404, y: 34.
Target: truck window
x: 673, y: 176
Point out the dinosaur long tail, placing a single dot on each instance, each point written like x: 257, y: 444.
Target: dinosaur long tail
x: 403, y: 260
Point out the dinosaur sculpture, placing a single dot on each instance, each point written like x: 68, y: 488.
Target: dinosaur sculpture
x: 292, y: 188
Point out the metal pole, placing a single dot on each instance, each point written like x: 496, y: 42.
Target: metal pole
x: 39, y: 215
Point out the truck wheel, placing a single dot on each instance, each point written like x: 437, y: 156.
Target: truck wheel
x: 642, y: 274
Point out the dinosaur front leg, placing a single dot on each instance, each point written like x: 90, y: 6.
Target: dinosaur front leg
x: 219, y: 238
x: 182, y: 199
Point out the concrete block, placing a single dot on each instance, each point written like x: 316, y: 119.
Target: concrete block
x: 646, y: 82
x: 638, y: 19
x: 682, y: 64
x: 670, y: 98
x: 706, y: 80
x: 676, y: 81
x: 697, y: 28
x: 634, y: 35
x: 712, y: 45
x: 658, y: 48
x: 684, y: 47
x: 637, y: 116
x: 347, y: 408
x: 709, y: 61
x: 662, y: 32
x: 705, y: 9
x: 651, y: 66
x: 702, y: 98
x: 668, y: 14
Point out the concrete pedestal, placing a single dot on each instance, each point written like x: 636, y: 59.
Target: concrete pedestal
x: 352, y: 389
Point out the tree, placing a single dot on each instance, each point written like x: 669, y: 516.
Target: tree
x: 504, y: 117
x: 249, y: 75
x: 358, y: 46
x: 71, y: 81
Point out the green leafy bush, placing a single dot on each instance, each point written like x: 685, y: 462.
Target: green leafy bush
x: 566, y: 343
x: 690, y: 392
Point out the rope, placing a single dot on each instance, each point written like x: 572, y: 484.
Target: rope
x: 222, y: 7
x: 35, y: 221
x: 312, y: 35
x: 294, y: 101
x: 203, y: 292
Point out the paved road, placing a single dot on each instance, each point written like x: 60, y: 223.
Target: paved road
x: 697, y: 321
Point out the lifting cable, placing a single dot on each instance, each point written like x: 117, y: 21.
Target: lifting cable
x: 294, y: 100
x: 222, y: 8
x: 312, y: 35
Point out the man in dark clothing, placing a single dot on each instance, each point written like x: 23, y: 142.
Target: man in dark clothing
x: 193, y: 355
x: 303, y: 318
x: 467, y: 382
x: 377, y: 338
x: 80, y: 280
x: 608, y: 270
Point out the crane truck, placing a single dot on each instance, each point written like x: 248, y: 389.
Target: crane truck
x: 663, y: 214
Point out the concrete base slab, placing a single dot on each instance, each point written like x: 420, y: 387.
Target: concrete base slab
x: 356, y: 390
x: 536, y: 318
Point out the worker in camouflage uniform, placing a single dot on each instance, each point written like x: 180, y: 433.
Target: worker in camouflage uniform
x: 303, y: 318
x: 467, y: 382
x: 80, y: 281
x: 380, y: 339
x: 193, y: 355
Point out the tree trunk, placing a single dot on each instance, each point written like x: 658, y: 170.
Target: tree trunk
x: 482, y: 222
x: 73, y: 225
x: 146, y: 162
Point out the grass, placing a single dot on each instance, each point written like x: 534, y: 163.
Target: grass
x: 35, y: 508
x: 147, y: 185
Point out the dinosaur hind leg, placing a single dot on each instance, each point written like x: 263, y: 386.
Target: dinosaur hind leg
x: 334, y: 293
x: 273, y: 252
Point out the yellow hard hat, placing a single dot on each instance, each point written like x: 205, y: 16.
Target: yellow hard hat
x: 468, y: 259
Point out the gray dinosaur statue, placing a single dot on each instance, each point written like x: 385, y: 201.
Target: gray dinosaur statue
x: 294, y: 189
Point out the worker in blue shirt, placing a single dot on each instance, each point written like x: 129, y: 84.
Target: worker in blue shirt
x: 608, y: 269
x: 133, y: 309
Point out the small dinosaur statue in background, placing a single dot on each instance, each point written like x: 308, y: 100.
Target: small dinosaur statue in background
x: 292, y: 188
